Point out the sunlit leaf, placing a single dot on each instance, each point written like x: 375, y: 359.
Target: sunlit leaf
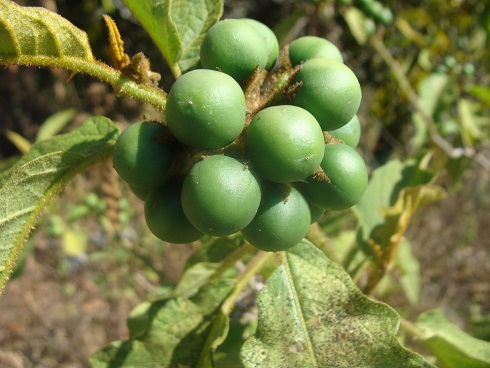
x: 32, y: 34
x: 409, y: 268
x: 29, y: 185
x: 312, y: 315
x: 453, y: 347
x: 169, y: 333
x: 177, y: 27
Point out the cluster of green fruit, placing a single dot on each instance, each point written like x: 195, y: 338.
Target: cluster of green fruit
x: 216, y: 168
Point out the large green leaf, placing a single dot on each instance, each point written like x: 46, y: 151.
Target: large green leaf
x: 311, y: 314
x: 177, y: 27
x: 171, y: 333
x: 36, y: 34
x: 453, y: 347
x: 29, y: 185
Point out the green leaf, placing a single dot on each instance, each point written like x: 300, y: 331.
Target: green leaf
x: 29, y: 186
x: 453, y: 347
x: 36, y: 36
x: 177, y: 27
x: 312, y: 315
x: 215, y: 250
x: 471, y: 122
x: 409, y: 268
x: 173, y: 332
x: 383, y: 191
x: 34, y: 33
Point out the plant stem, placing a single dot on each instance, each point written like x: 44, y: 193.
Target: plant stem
x: 122, y: 85
x: 252, y: 268
x: 411, y: 329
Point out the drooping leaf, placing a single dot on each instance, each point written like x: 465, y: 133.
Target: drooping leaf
x: 32, y: 34
x: 173, y: 332
x: 177, y: 27
x: 384, y: 186
x: 453, y: 347
x: 311, y: 314
x: 385, y: 238
x: 29, y: 185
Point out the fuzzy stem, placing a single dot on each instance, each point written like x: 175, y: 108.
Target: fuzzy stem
x: 99, y: 70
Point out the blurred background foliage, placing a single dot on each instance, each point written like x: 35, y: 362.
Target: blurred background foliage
x: 424, y: 67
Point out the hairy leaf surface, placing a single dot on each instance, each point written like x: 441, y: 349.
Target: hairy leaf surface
x: 28, y: 186
x: 453, y: 347
x: 171, y: 332
x: 34, y: 33
x: 177, y: 27
x: 312, y: 315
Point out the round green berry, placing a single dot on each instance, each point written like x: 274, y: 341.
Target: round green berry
x: 310, y: 47
x: 284, y: 143
x: 206, y: 109
x: 330, y: 91
x: 350, y: 133
x: 141, y: 193
x: 282, y: 219
x: 220, y: 195
x: 315, y: 212
x: 142, y: 155
x: 234, y: 47
x: 165, y: 217
x: 347, y: 179
x: 270, y: 40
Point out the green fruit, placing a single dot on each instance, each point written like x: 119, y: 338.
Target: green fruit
x: 206, y: 109
x: 330, y: 91
x: 310, y: 47
x: 350, y: 133
x: 142, y: 156
x: 282, y: 220
x: 270, y: 40
x: 347, y: 182
x: 165, y: 217
x: 284, y: 143
x: 315, y: 212
x: 141, y: 193
x: 235, y: 47
x: 220, y: 195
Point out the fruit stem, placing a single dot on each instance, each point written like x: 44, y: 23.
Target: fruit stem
x: 253, y: 267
